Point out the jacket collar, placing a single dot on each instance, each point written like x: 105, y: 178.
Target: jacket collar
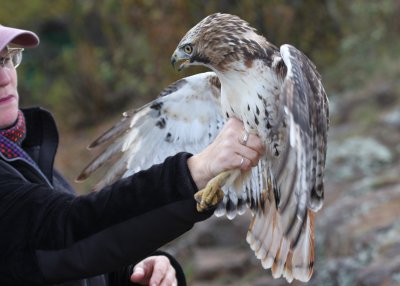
x: 41, y: 140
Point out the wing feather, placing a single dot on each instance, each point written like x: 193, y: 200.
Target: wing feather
x: 112, y: 133
x: 185, y: 117
x: 307, y: 104
x: 282, y: 232
x: 306, y: 108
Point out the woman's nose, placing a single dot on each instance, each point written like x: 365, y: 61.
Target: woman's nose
x: 4, y: 76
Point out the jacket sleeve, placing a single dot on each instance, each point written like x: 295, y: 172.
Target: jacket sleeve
x: 135, y: 195
x: 52, y: 237
x: 118, y: 245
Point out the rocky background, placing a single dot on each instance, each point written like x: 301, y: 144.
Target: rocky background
x: 358, y: 229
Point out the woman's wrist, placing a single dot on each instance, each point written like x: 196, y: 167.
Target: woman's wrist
x: 198, y: 171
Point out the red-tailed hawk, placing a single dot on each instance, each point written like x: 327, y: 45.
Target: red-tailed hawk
x: 278, y: 95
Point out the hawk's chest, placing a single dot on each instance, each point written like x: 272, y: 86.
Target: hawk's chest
x: 252, y: 97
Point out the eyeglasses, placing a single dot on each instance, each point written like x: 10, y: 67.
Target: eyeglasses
x: 12, y: 58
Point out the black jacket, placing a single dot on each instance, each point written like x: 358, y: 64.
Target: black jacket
x: 49, y: 236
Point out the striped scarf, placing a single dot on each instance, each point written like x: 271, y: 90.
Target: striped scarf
x: 11, y: 140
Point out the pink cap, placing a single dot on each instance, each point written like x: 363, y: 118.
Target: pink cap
x: 22, y: 38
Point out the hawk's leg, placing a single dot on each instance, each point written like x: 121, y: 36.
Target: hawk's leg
x: 212, y: 194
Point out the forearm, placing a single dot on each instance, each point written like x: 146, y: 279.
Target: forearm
x: 135, y: 195
x: 120, y: 245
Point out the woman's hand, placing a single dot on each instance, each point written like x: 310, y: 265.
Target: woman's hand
x: 154, y: 271
x: 230, y: 150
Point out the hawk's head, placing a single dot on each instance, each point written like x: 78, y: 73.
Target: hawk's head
x: 217, y: 41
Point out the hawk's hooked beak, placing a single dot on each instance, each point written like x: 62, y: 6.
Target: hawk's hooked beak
x: 180, y: 56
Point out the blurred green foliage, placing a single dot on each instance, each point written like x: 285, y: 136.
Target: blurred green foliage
x: 100, y: 57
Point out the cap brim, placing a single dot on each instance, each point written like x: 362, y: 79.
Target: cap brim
x: 22, y: 38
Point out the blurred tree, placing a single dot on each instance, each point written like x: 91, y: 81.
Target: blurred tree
x: 99, y: 57
x: 370, y: 41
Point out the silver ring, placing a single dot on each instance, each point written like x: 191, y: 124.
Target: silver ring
x: 245, y: 138
x: 241, y: 162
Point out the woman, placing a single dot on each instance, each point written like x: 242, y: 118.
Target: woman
x: 51, y: 236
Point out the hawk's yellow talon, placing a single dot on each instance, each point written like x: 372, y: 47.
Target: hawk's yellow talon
x: 212, y: 194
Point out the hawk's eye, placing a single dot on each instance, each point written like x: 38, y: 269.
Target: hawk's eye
x: 188, y: 49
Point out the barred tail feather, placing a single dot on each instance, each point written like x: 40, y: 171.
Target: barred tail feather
x: 303, y: 255
x: 266, y: 238
x: 278, y: 265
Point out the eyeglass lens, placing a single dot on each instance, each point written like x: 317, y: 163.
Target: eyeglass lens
x: 12, y: 58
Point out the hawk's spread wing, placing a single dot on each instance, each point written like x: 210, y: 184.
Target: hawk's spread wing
x: 185, y: 117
